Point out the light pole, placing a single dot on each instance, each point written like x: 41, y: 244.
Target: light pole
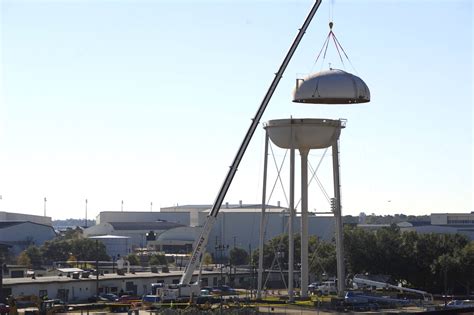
x: 86, y: 214
x: 97, y: 267
x: 44, y: 206
x: 122, y: 206
x: 220, y: 248
x: 151, y: 206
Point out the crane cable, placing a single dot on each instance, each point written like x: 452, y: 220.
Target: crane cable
x: 332, y: 36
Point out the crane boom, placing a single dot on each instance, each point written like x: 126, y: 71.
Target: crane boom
x: 201, y: 243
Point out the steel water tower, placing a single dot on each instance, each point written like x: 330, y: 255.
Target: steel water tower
x: 304, y: 134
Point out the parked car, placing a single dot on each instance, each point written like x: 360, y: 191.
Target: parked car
x: 96, y: 298
x: 460, y: 304
x: 105, y: 297
x: 226, y: 290
x: 313, y: 286
x: 110, y: 297
x: 4, y: 308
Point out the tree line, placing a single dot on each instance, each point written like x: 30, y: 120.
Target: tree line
x: 436, y: 263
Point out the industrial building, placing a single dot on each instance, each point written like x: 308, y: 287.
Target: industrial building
x: 440, y: 223
x: 447, y: 223
x: 135, y: 231
x: 78, y: 289
x: 18, y: 231
x: 183, y: 223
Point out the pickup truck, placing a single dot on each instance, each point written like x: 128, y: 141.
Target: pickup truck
x: 326, y: 288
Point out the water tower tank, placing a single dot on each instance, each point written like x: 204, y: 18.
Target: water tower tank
x: 332, y: 86
x: 304, y: 133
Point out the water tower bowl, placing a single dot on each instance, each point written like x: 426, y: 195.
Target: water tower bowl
x: 304, y: 133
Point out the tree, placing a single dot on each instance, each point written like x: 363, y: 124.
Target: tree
x: 24, y: 259
x: 207, y: 259
x: 238, y: 256
x: 81, y: 248
x: 157, y: 259
x: 70, y: 234
x: 466, y: 263
x: 88, y: 249
x: 55, y: 250
x: 133, y: 259
x: 322, y: 258
x: 34, y: 256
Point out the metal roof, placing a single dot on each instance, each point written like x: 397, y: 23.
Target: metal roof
x: 150, y: 226
x: 109, y: 237
x: 5, y: 224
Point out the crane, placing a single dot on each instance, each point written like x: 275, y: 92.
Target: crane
x: 201, y: 242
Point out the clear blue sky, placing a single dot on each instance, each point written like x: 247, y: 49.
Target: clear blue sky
x: 148, y: 101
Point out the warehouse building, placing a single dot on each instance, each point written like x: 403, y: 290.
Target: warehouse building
x: 79, y: 289
x: 237, y: 225
x: 19, y: 235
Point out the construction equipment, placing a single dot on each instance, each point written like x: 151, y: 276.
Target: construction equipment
x: 201, y: 242
x: 359, y: 281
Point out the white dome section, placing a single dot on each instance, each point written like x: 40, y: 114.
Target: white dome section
x: 332, y: 86
x: 304, y: 133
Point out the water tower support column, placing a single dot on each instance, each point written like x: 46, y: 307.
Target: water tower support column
x: 262, y: 221
x: 291, y: 241
x: 304, y: 222
x: 338, y: 218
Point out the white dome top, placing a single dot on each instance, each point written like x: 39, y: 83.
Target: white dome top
x: 332, y: 86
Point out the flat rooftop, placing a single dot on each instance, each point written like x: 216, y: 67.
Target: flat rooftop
x: 108, y: 276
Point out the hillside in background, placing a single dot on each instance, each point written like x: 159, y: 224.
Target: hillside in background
x: 62, y: 224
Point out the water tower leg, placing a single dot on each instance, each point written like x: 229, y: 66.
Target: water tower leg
x: 304, y: 222
x: 338, y: 218
x: 291, y: 242
x: 262, y: 221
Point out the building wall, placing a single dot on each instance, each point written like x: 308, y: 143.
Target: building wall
x: 10, y: 216
x: 233, y: 225
x: 77, y: 290
x: 117, y: 247
x: 22, y: 235
x: 452, y: 219
x: 243, y: 229
x: 439, y: 218
x: 132, y: 216
x: 425, y: 229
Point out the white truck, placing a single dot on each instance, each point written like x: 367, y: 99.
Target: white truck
x: 326, y: 288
